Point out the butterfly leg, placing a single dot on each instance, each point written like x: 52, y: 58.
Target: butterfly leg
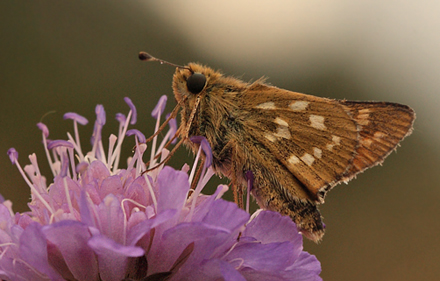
x: 235, y: 181
x: 226, y: 161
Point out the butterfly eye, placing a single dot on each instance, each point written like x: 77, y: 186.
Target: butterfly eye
x: 196, y: 82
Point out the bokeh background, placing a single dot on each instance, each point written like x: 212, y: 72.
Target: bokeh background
x: 71, y: 55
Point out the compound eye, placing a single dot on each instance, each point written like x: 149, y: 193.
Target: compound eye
x: 196, y: 82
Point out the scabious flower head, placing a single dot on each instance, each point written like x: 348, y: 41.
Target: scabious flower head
x: 97, y: 221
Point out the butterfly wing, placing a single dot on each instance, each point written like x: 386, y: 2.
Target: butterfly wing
x: 382, y: 126
x: 322, y: 141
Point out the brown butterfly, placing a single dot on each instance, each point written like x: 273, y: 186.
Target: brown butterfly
x: 297, y: 146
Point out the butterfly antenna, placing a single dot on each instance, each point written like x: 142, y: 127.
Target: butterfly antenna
x: 147, y: 57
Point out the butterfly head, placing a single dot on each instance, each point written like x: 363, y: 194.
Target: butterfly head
x: 193, y: 80
x: 189, y: 82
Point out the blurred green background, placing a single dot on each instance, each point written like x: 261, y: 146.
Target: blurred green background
x: 72, y: 55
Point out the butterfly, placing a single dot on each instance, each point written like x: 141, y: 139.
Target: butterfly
x: 296, y: 147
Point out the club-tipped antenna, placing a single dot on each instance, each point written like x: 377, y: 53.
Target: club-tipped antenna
x: 147, y: 57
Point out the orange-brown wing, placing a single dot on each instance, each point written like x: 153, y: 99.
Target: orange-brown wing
x: 322, y: 141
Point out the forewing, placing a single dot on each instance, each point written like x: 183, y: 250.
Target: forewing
x: 323, y: 141
x: 314, y: 138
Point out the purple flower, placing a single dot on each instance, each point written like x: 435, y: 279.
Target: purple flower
x: 97, y: 221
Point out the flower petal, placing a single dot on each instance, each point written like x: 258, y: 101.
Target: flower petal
x: 139, y: 230
x: 229, y: 273
x: 113, y: 257
x: 167, y: 248
x: 306, y: 267
x: 269, y: 227
x: 173, y: 188
x: 225, y: 214
x: 33, y: 250
x: 272, y: 257
x: 70, y: 238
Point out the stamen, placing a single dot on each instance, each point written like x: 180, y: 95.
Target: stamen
x: 241, y: 262
x: 126, y: 217
x: 173, y: 128
x: 111, y: 144
x: 169, y: 135
x: 45, y: 132
x: 76, y: 119
x: 117, y: 152
x: 71, y: 153
x: 221, y: 189
x: 44, y: 129
x: 151, y: 191
x: 97, y: 148
x: 206, y: 175
x: 140, y: 166
x: 160, y: 107
x: 156, y: 113
x: 138, y: 134
x: 64, y: 162
x: 172, y: 115
x: 14, y: 156
x: 77, y: 147
x: 194, y: 167
x: 68, y: 199
x: 168, y: 157
x: 60, y: 147
x: 59, y: 143
x: 133, y: 110
x: 140, y: 147
x: 121, y: 119
x: 250, y: 183
x: 34, y: 162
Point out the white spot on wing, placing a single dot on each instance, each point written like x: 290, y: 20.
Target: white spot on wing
x: 379, y: 135
x: 363, y: 122
x: 317, y: 152
x: 270, y: 137
x: 293, y: 160
x: 308, y: 159
x: 266, y: 105
x: 283, y: 132
x: 281, y: 122
x: 366, y: 142
x: 298, y: 105
x: 335, y: 141
x: 317, y: 122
